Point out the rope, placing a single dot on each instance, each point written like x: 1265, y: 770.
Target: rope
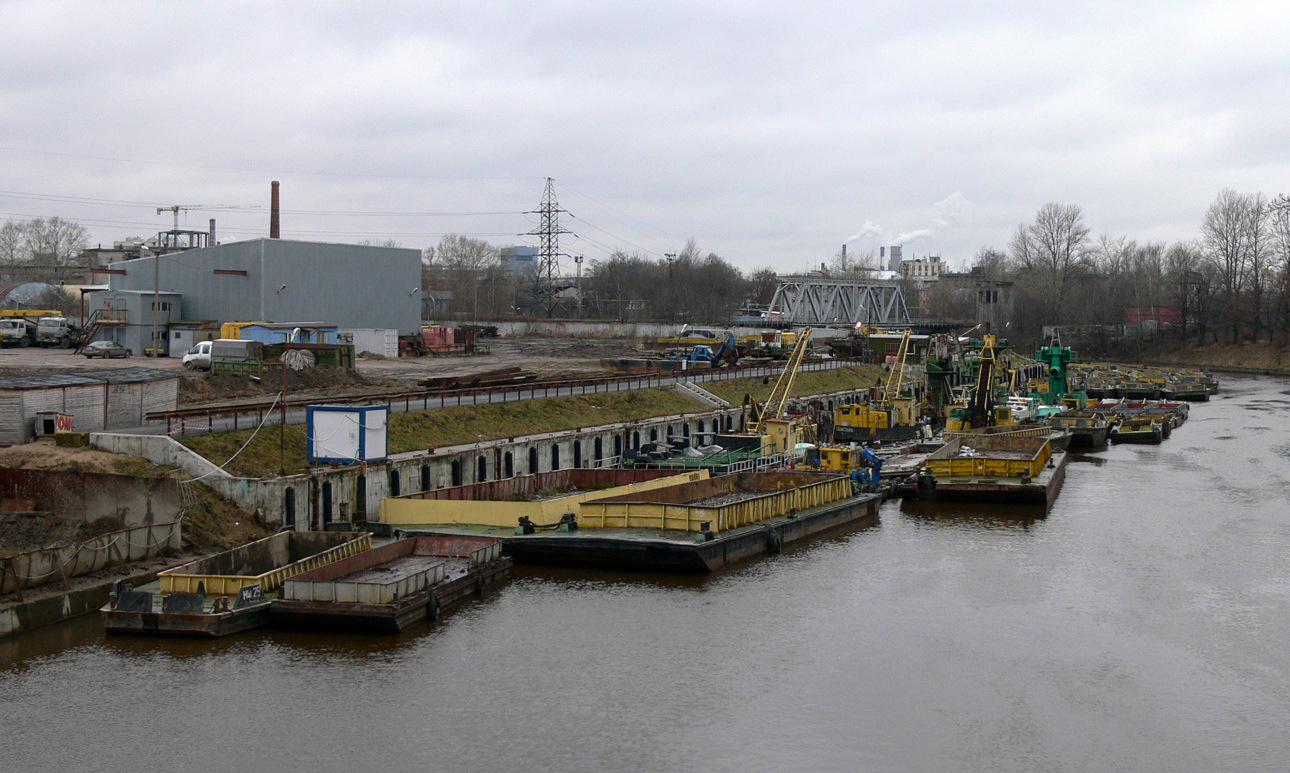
x: 56, y: 554
x: 228, y: 461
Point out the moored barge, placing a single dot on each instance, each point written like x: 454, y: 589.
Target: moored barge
x: 392, y: 586
x: 228, y: 592
x: 992, y: 469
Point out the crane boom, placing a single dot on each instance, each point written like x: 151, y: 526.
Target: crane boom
x: 784, y: 384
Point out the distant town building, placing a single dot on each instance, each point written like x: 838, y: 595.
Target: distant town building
x: 990, y: 299
x: 890, y: 256
x: 929, y: 268
x: 521, y: 261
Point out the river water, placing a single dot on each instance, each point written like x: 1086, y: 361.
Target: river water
x: 1141, y: 625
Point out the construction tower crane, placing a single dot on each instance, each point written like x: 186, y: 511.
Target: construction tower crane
x: 175, y: 208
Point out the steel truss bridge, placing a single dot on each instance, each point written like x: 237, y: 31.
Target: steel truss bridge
x: 819, y: 300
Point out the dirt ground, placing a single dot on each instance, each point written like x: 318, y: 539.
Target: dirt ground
x: 42, y: 454
x: 542, y: 355
x: 212, y: 523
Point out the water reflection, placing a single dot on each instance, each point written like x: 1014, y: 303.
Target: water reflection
x: 975, y: 514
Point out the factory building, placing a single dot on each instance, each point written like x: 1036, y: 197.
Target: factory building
x: 277, y: 280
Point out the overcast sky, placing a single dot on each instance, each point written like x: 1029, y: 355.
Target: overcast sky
x: 771, y: 133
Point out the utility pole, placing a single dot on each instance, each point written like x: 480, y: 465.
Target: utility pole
x: 577, y: 259
x: 154, y: 350
x: 548, y: 233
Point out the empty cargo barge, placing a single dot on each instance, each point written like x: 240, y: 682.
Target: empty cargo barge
x: 392, y: 586
x: 991, y: 469
x: 227, y: 592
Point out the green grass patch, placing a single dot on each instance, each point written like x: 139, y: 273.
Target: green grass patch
x: 469, y: 424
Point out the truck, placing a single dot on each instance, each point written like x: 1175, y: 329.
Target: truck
x: 17, y: 331
x: 57, y: 331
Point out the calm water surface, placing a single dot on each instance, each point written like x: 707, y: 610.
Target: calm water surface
x: 1142, y: 625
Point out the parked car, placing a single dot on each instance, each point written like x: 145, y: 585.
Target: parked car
x: 106, y: 349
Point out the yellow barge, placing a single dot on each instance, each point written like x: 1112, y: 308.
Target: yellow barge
x: 227, y: 592
x: 992, y: 468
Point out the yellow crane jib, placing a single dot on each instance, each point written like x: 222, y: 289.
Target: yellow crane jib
x: 897, y: 377
x: 784, y: 384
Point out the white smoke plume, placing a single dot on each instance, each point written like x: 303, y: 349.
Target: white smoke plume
x: 950, y: 211
x: 870, y: 229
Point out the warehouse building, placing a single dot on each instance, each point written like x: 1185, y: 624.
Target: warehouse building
x: 278, y: 280
x: 96, y: 400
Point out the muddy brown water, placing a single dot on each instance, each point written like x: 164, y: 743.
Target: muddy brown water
x: 1141, y: 625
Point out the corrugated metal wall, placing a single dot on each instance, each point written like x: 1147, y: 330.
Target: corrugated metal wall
x: 349, y: 285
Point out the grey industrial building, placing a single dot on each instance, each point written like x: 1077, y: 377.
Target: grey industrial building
x: 274, y: 280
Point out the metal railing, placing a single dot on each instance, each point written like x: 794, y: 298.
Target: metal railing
x: 202, y: 420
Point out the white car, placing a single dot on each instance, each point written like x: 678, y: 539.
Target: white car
x: 198, y: 357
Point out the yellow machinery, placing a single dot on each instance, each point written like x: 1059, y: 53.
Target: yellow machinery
x: 234, y: 329
x: 30, y: 313
x: 979, y: 409
x: 859, y: 422
x: 897, y: 377
x: 779, y: 393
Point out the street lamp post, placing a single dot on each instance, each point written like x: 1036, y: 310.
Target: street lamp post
x: 671, y: 256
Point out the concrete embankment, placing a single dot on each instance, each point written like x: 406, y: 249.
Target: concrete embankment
x: 46, y: 606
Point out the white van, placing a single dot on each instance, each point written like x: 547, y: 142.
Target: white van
x: 199, y: 357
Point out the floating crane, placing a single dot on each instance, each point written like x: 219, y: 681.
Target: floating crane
x: 778, y: 399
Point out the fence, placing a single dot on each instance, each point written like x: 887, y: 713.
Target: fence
x: 202, y: 420
x: 39, y: 567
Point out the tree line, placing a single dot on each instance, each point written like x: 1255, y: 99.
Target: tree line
x: 49, y: 247
x: 1230, y: 282
x: 469, y: 278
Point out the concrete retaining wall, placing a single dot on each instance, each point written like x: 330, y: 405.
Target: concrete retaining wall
x: 87, y: 497
x: 310, y: 501
x: 40, y: 567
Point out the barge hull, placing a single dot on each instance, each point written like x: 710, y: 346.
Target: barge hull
x: 1039, y: 492
x: 201, y: 626
x: 390, y: 618
x: 661, y: 555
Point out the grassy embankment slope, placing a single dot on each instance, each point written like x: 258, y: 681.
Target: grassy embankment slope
x: 452, y: 426
x: 1241, y: 357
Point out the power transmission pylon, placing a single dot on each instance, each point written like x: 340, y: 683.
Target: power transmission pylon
x: 548, y: 233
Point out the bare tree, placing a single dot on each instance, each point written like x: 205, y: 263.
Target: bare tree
x: 764, y: 284
x: 1226, y: 235
x: 12, y: 241
x: 1279, y: 262
x: 461, y: 264
x: 1052, y: 248
x: 1184, y: 263
x: 854, y: 265
x: 58, y: 241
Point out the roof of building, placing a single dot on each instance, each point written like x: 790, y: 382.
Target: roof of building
x: 130, y: 375
x: 288, y: 325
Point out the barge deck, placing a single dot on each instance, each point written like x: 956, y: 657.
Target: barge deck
x: 390, y: 587
x: 686, y: 552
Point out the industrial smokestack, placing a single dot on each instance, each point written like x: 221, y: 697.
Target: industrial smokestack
x: 844, y: 250
x: 212, y: 236
x: 274, y: 227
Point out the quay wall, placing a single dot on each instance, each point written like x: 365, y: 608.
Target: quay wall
x: 325, y: 495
